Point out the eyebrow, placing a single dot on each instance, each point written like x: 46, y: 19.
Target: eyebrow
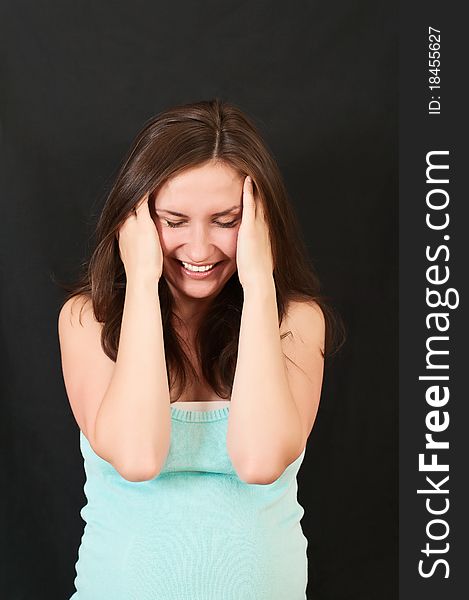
x: 218, y: 214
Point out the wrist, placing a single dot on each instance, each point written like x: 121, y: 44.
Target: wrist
x: 142, y: 281
x: 262, y: 287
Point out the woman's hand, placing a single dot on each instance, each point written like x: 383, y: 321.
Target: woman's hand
x: 139, y: 244
x: 253, y: 252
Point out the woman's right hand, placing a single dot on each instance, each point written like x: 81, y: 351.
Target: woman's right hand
x: 139, y: 244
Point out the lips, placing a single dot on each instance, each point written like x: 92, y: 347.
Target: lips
x: 199, y: 275
x: 214, y: 264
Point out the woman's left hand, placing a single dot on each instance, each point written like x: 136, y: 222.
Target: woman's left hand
x: 253, y: 252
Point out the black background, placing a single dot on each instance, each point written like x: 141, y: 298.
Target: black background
x: 320, y: 79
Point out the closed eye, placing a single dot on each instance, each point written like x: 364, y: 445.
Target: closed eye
x: 178, y: 223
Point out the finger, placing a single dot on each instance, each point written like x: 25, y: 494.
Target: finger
x: 260, y: 213
x: 142, y: 203
x: 248, y: 198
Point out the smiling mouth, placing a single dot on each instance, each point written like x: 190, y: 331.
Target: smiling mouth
x: 214, y: 264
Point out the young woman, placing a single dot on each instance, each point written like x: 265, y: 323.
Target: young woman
x: 192, y: 351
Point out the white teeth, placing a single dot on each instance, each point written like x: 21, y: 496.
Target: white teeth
x: 190, y: 267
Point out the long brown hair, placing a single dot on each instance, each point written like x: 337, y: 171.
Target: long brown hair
x: 175, y: 139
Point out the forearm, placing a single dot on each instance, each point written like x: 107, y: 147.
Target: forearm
x: 133, y: 423
x: 264, y: 427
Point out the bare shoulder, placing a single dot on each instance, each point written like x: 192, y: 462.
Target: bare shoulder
x: 304, y: 308
x: 74, y: 309
x: 304, y: 320
x: 87, y: 370
x: 303, y: 327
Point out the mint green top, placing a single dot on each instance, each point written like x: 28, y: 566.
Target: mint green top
x: 194, y: 532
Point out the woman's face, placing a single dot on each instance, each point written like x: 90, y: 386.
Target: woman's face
x: 208, y: 199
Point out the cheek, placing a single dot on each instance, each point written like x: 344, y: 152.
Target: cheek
x: 168, y: 242
x: 231, y: 243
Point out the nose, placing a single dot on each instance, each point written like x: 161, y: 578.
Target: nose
x: 199, y: 248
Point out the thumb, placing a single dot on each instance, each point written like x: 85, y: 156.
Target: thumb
x: 249, y: 204
x: 142, y: 203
